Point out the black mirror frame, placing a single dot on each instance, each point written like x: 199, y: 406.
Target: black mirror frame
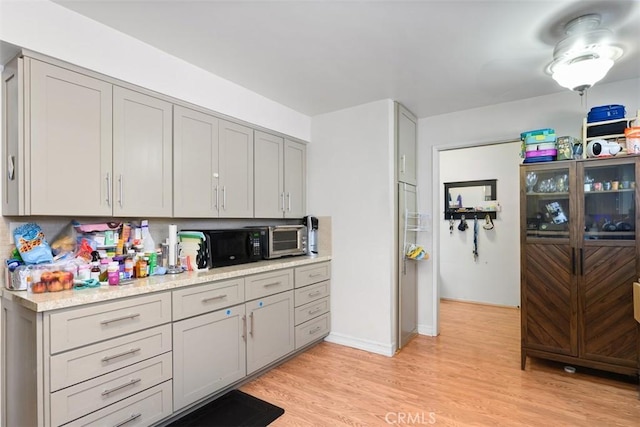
x: 470, y: 211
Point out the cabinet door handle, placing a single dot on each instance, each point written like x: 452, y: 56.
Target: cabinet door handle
x: 573, y: 261
x: 282, y: 200
x: 117, y: 319
x: 272, y: 284
x: 314, y: 330
x: 251, y: 324
x: 108, y: 189
x: 581, y: 262
x: 204, y: 300
x: 224, y: 197
x: 244, y: 328
x: 289, y: 202
x: 128, y: 420
x: 11, y: 168
x: 129, y: 384
x: 315, y: 293
x: 121, y: 195
x: 217, y: 198
x: 404, y: 163
x: 124, y: 353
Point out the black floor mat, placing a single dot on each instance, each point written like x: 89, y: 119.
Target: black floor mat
x: 233, y: 409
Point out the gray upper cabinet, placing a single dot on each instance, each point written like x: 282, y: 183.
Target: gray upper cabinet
x: 236, y: 170
x: 142, y: 163
x: 68, y: 142
x: 295, y: 179
x: 213, y: 161
x: 407, y: 137
x: 280, y: 173
x: 195, y: 163
x: 71, y: 134
x: 269, y: 176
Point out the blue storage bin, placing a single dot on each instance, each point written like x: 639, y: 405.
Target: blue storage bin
x: 605, y: 112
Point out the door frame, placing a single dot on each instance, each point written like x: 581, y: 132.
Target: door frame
x: 436, y: 200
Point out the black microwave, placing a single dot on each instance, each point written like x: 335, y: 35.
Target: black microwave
x: 231, y: 247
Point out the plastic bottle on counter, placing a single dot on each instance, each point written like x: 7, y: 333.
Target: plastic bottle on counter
x: 128, y: 265
x: 147, y: 241
x: 84, y: 272
x: 141, y: 267
x: 113, y: 273
x: 104, y: 264
x: 95, y: 271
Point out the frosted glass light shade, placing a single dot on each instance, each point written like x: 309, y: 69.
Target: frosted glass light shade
x: 582, y: 74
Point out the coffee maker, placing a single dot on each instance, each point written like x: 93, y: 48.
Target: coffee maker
x: 311, y: 222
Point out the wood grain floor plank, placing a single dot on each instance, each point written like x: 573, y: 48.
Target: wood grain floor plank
x: 468, y: 376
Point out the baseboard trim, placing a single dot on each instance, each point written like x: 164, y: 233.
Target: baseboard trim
x: 427, y: 330
x: 490, y: 304
x: 366, y: 345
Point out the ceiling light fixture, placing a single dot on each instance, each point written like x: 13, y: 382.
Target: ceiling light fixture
x: 584, y: 56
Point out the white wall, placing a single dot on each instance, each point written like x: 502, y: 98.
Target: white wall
x: 494, y: 277
x: 50, y: 29
x: 350, y: 176
x: 562, y: 111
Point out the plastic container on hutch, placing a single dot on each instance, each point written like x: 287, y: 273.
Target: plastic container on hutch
x: 632, y: 136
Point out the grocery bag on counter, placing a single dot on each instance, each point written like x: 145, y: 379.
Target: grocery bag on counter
x: 31, y: 244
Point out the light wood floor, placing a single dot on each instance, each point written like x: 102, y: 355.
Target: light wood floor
x: 469, y: 375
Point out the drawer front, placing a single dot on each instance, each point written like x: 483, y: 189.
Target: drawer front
x: 313, y: 273
x: 312, y: 330
x: 261, y: 285
x: 142, y: 409
x: 81, y: 326
x: 311, y: 293
x: 84, y: 363
x: 311, y: 310
x: 79, y: 400
x: 206, y: 298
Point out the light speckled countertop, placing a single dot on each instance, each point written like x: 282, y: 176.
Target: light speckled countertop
x: 56, y: 300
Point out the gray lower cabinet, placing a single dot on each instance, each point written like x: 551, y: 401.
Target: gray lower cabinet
x: 75, y: 364
x: 312, y: 305
x: 142, y: 359
x: 208, y: 354
x: 270, y: 333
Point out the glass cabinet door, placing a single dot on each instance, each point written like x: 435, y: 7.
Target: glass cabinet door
x: 547, y: 201
x: 609, y: 204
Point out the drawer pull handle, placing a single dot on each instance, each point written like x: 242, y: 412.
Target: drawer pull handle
x: 214, y: 298
x: 117, y: 319
x: 315, y: 275
x: 128, y: 420
x: 314, y: 293
x: 314, y: 330
x: 124, y: 353
x: 272, y: 284
x: 314, y: 311
x: 130, y: 383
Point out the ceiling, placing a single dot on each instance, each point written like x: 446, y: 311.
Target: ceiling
x: 433, y: 56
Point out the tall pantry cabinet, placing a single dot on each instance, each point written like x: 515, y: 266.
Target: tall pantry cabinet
x: 579, y: 261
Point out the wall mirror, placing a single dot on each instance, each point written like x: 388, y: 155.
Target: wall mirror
x: 464, y: 197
